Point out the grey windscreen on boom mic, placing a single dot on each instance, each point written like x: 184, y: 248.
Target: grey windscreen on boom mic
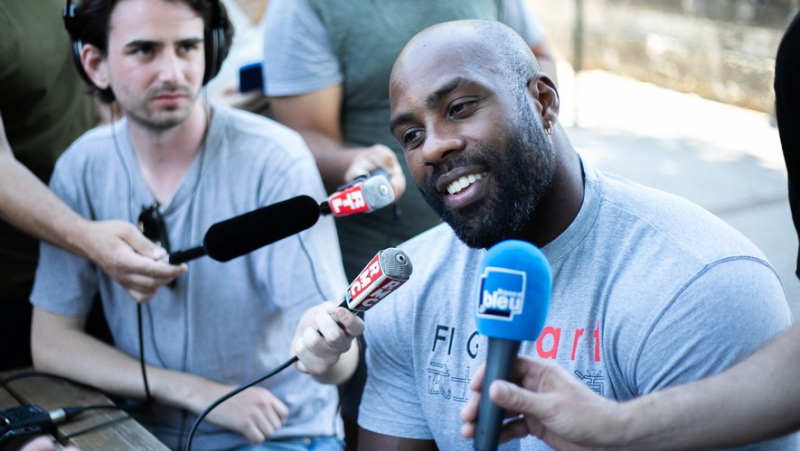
x: 378, y: 192
x: 396, y: 264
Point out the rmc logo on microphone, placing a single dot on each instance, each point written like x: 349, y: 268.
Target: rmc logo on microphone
x: 502, y: 293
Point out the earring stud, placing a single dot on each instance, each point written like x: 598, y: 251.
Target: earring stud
x: 549, y: 128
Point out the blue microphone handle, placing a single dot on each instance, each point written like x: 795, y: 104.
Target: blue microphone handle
x: 500, y: 361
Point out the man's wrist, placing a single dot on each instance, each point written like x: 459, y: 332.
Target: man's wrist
x: 78, y: 237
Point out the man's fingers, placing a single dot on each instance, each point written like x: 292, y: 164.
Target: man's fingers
x: 265, y: 422
x: 518, y: 428
x: 133, y: 263
x: 140, y: 296
x: 513, y: 398
x: 273, y: 414
x: 470, y: 412
x: 140, y: 243
x: 468, y: 430
x: 281, y: 409
x: 328, y: 327
x: 254, y: 434
x: 311, y: 340
x: 477, y: 379
x: 353, y: 325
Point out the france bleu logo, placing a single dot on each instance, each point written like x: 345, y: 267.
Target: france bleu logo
x: 502, y: 293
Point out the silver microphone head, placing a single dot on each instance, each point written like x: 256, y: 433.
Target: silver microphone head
x: 396, y: 264
x: 378, y: 193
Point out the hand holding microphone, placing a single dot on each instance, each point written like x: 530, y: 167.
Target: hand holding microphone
x: 326, y: 331
x: 513, y: 298
x: 378, y: 156
x: 386, y: 272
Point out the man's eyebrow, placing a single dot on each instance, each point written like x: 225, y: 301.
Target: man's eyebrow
x: 141, y: 43
x: 399, y: 119
x: 431, y: 101
x: 437, y: 95
x: 190, y: 41
x: 150, y: 43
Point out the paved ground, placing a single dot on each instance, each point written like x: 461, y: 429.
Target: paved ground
x: 725, y: 158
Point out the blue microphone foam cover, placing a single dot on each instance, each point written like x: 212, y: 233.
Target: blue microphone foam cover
x: 514, y: 288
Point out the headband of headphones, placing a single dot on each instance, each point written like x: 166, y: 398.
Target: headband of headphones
x: 216, y: 47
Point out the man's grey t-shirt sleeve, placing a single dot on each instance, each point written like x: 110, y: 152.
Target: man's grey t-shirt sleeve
x: 65, y: 283
x: 518, y: 15
x: 728, y: 311
x: 298, y: 54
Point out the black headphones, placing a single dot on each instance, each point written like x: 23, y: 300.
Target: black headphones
x: 216, y: 47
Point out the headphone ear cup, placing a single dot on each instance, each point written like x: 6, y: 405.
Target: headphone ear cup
x: 216, y: 48
x: 71, y: 24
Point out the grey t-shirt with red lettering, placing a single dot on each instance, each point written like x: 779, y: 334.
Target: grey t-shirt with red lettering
x: 649, y: 291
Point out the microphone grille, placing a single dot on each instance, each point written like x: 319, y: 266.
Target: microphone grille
x: 396, y: 264
x: 378, y: 193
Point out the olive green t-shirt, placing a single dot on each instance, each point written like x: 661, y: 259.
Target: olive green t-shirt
x: 44, y: 106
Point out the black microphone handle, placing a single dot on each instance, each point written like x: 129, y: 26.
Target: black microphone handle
x: 324, y: 208
x: 499, y: 363
x: 176, y: 258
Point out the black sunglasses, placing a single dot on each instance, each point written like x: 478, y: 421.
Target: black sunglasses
x: 152, y: 226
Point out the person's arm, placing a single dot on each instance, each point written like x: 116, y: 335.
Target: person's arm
x: 45, y: 443
x: 753, y: 401
x: 518, y: 15
x: 59, y: 345
x: 368, y: 440
x: 116, y: 246
x: 316, y: 116
x: 547, y: 61
x: 326, y: 347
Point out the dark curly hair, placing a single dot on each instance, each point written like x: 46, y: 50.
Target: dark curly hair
x: 92, y: 25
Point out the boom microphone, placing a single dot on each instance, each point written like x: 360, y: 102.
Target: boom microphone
x: 362, y: 195
x: 513, y: 297
x: 245, y: 233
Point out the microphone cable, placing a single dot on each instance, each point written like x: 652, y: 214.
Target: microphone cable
x: 147, y: 394
x: 259, y: 379
x: 229, y: 395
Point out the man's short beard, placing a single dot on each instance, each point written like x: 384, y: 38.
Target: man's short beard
x: 150, y: 120
x: 522, y: 175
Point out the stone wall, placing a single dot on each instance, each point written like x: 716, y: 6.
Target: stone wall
x: 719, y: 49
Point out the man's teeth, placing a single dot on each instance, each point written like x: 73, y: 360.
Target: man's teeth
x: 463, y: 182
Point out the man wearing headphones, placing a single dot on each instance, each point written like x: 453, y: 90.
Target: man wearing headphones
x: 181, y: 164
x: 44, y: 108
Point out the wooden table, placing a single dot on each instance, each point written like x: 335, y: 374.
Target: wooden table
x: 93, y: 430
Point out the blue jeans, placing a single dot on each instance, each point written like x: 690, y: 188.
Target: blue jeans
x: 296, y: 444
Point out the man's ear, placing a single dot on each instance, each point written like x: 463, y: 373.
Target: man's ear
x: 545, y: 94
x: 95, y: 65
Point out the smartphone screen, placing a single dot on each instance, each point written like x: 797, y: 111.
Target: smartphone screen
x: 251, y: 77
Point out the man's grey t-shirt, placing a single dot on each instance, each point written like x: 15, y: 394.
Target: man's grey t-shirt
x: 649, y: 291
x: 229, y: 322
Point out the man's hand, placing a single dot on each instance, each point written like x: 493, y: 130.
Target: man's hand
x: 320, y: 351
x: 553, y: 405
x: 255, y: 413
x: 378, y: 157
x: 126, y: 255
x: 45, y: 443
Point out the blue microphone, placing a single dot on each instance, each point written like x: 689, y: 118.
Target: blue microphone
x: 513, y: 298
